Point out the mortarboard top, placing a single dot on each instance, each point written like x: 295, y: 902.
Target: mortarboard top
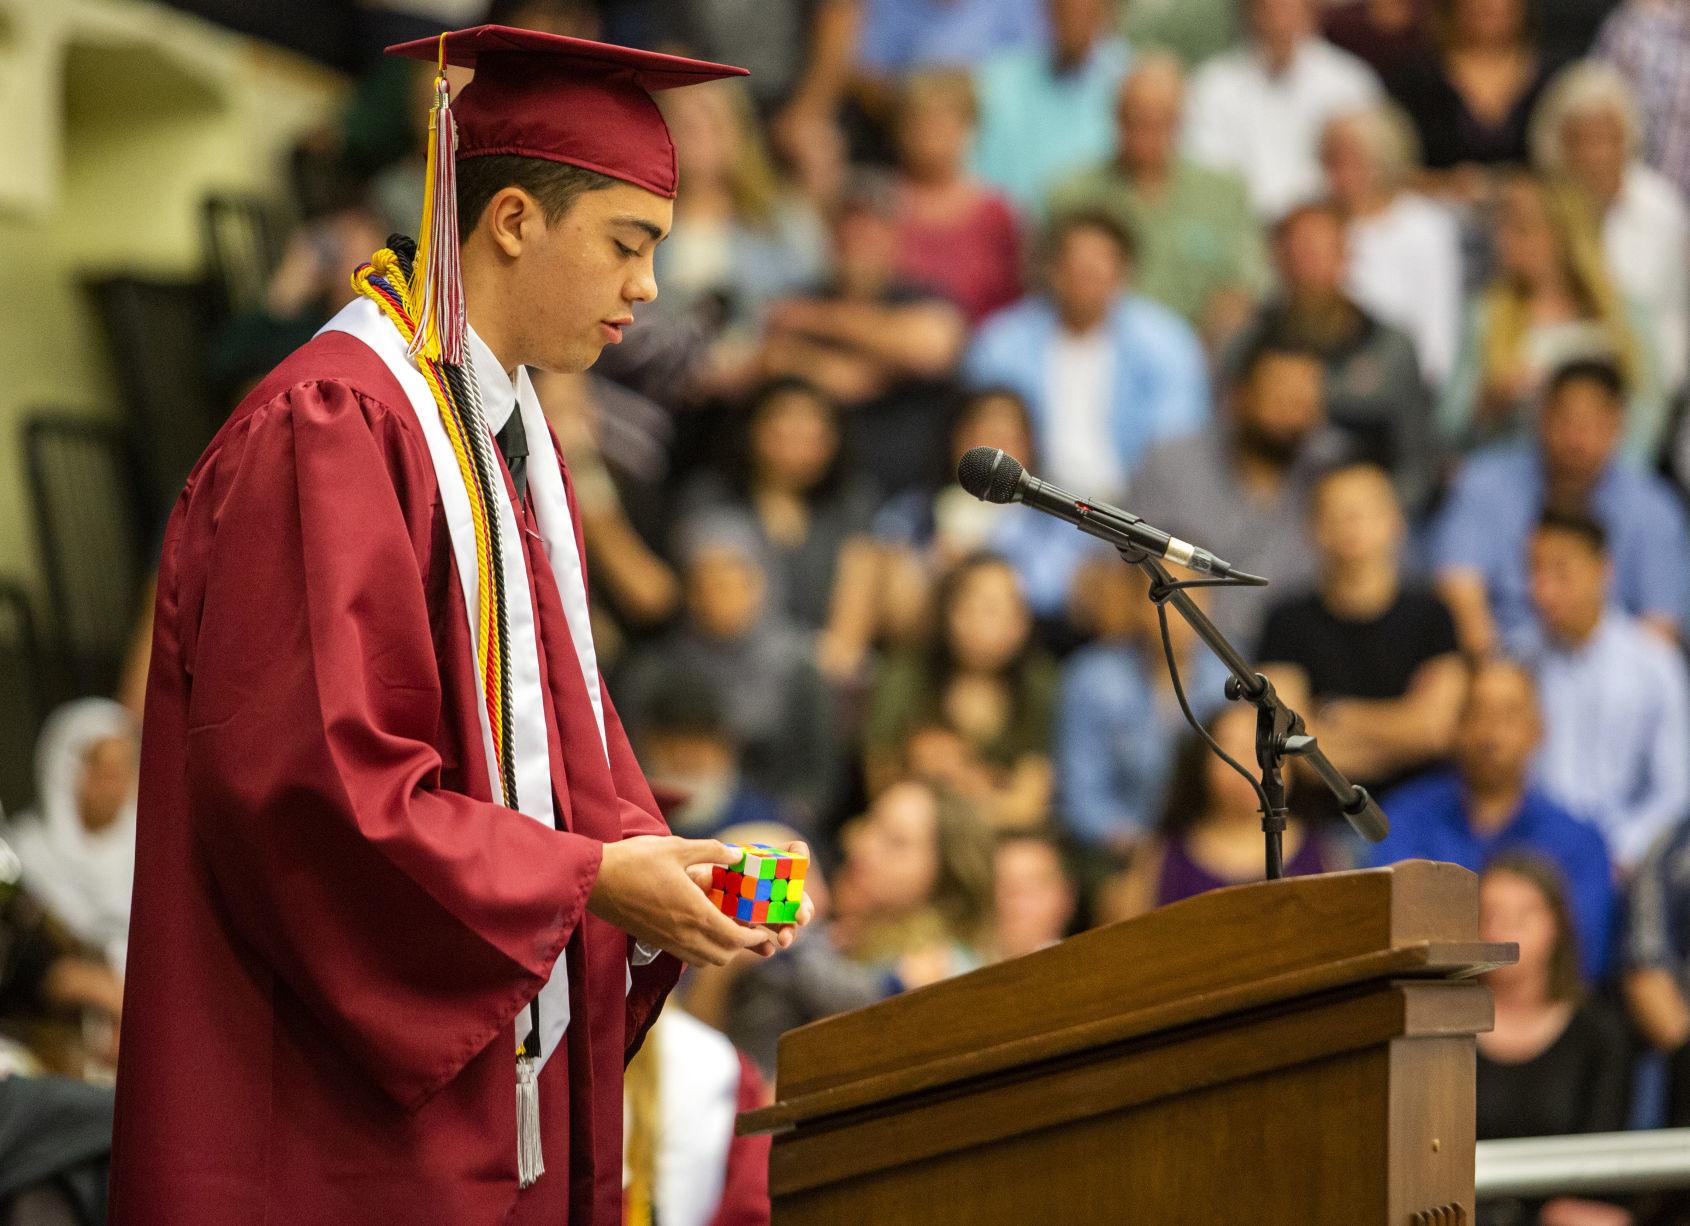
x: 568, y: 100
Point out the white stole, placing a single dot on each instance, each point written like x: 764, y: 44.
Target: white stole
x: 363, y: 319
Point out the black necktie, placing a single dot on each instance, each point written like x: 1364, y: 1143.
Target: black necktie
x: 513, y: 445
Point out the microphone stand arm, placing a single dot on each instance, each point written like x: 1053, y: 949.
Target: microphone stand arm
x: 1280, y: 732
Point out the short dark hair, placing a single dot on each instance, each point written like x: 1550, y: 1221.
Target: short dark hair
x: 1263, y: 343
x: 686, y: 704
x: 1604, y: 372
x: 1574, y: 523
x: 1101, y: 220
x: 556, y: 185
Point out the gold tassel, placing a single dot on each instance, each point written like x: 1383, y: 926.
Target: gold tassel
x: 437, y: 280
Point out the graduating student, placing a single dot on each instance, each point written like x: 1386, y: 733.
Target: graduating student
x: 404, y: 904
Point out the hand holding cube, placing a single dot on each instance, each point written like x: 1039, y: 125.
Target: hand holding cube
x: 764, y: 886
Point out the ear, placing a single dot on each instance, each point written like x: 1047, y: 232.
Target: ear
x: 511, y: 219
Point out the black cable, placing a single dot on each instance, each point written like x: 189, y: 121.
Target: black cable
x: 1159, y: 592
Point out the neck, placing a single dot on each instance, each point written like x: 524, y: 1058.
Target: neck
x: 1361, y: 590
x: 483, y: 297
x: 1371, y: 203
x: 1149, y: 176
x: 1491, y: 808
x: 1081, y: 323
x: 1518, y: 993
x: 1578, y: 633
x: 1279, y: 53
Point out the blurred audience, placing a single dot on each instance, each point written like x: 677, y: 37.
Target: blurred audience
x: 1106, y: 372
x: 1241, y: 490
x: 1260, y: 108
x: 1383, y: 33
x: 789, y: 481
x: 880, y: 347
x: 1118, y: 721
x: 972, y: 709
x: 78, y: 848
x: 956, y: 235
x: 1471, y: 100
x: 775, y: 703
x: 1404, y: 249
x: 1210, y: 833
x: 1551, y: 301
x: 1649, y: 42
x: 1372, y: 387
x: 1657, y: 962
x: 1044, y: 109
x: 1587, y: 129
x: 1034, y: 897
x: 1487, y: 806
x: 1480, y: 541
x: 1616, y: 698
x: 1556, y: 1060
x: 1197, y: 246
x: 1370, y: 659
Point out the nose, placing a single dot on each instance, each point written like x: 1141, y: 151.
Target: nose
x: 643, y: 286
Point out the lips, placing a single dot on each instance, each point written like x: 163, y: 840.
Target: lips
x: 613, y: 329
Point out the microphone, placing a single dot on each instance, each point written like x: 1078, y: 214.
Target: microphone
x: 991, y: 475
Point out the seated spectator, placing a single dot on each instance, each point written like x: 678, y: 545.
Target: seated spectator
x: 683, y: 1164
x: 883, y: 349
x: 1118, y: 722
x: 973, y: 710
x: 742, y: 238
x: 1106, y: 372
x: 1480, y: 542
x: 790, y: 484
x: 1657, y: 962
x: 1198, y: 246
x: 78, y: 849
x: 1587, y: 129
x: 1260, y: 108
x: 1550, y: 302
x: 926, y: 530
x: 1487, y: 806
x: 775, y: 703
x: 1381, y: 33
x: 692, y: 762
x: 1557, y: 1061
x: 1241, y: 491
x: 911, y: 906
x: 1616, y: 698
x: 1210, y: 832
x: 1649, y: 42
x: 955, y: 234
x: 1404, y: 248
x: 1044, y: 110
x: 1369, y: 660
x: 1471, y: 99
x: 1192, y: 30
x: 1372, y: 389
x: 1034, y: 896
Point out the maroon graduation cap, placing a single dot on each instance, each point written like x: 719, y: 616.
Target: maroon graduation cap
x: 536, y: 95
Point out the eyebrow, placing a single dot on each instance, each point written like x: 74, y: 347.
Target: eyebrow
x: 654, y: 231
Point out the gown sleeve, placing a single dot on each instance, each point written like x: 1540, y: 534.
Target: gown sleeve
x: 413, y: 921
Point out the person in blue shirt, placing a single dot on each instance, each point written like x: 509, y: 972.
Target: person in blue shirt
x: 1479, y: 545
x: 1106, y: 372
x: 1487, y: 805
x: 895, y: 36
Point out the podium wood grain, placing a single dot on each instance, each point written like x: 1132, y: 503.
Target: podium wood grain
x: 1288, y: 1052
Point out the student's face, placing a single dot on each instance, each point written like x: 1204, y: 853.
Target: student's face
x: 1230, y: 794
x: 1594, y: 145
x: 892, y: 853
x: 1148, y: 120
x: 1075, y: 25
x: 993, y: 421
x: 725, y: 592
x: 1033, y: 898
x: 107, y: 784
x: 988, y: 621
x: 1087, y: 274
x: 1569, y: 582
x: 1526, y: 245
x: 933, y: 136
x: 1499, y: 729
x: 1512, y: 908
x: 1581, y: 426
x: 1280, y: 405
x: 1311, y: 255
x: 794, y: 441
x: 1489, y: 22
x: 1356, y: 520
x: 1351, y: 171
x: 582, y: 274
x: 1282, y: 23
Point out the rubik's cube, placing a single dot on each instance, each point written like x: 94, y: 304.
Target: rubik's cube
x: 764, y: 886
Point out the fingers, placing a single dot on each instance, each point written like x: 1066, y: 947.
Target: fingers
x: 706, y: 851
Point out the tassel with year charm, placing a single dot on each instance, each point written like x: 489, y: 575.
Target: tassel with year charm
x: 439, y: 293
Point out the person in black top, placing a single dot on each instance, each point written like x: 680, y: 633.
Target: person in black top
x: 1371, y: 662
x: 1557, y: 1062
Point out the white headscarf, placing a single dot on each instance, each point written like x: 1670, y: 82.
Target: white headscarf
x: 83, y: 877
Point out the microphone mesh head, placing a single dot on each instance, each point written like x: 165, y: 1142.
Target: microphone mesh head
x: 989, y: 474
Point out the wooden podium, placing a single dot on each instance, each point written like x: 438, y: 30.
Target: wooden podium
x: 1293, y: 1052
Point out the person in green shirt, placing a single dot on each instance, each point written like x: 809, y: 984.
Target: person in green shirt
x: 1200, y: 250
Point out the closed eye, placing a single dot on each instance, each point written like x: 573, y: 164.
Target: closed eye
x: 626, y: 251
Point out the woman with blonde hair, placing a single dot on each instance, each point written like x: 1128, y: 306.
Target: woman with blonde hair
x: 1588, y: 132
x: 742, y: 237
x: 1550, y: 301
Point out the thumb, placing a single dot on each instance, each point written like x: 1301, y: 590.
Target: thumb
x: 708, y: 851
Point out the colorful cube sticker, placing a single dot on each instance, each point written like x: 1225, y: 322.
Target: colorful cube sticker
x: 764, y: 886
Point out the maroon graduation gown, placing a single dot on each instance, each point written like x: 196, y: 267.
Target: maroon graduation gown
x: 334, y: 926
